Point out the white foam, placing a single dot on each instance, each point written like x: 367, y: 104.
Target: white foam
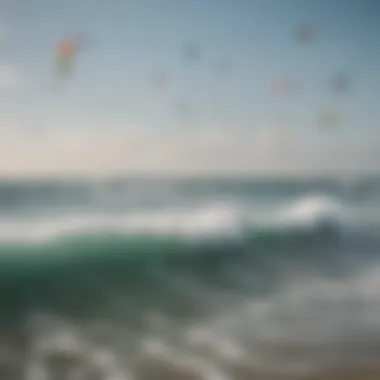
x: 218, y: 219
x: 210, y: 221
x: 311, y: 322
x: 155, y: 348
x: 312, y: 209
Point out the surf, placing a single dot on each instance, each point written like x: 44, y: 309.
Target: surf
x: 217, y: 219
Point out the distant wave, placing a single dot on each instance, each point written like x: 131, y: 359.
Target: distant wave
x: 259, y: 273
x: 16, y: 196
x: 217, y: 220
x: 78, y: 259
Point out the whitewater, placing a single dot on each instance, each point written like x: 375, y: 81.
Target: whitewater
x: 201, y: 278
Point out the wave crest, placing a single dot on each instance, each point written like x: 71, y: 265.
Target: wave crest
x: 217, y: 220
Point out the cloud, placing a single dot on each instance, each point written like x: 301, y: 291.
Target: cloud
x: 84, y: 152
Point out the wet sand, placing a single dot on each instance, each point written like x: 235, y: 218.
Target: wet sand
x: 15, y: 349
x: 154, y: 370
x: 349, y: 375
x: 167, y: 373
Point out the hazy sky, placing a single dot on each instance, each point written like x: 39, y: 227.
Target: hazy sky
x: 108, y: 117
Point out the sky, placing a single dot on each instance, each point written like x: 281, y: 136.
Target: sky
x: 107, y: 117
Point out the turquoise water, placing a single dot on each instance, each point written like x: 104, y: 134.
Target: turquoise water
x: 254, y: 263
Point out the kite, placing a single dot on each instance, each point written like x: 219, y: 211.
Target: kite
x: 340, y: 83
x: 66, y: 52
x: 160, y: 80
x: 184, y: 110
x: 192, y: 52
x: 284, y: 87
x: 305, y: 33
x: 222, y: 66
x: 329, y: 119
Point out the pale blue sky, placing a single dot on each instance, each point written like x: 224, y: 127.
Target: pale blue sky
x: 129, y: 40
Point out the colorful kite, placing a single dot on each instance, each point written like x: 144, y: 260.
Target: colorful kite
x: 329, y: 120
x: 184, y: 110
x: 284, y: 87
x: 192, y: 52
x: 65, y: 55
x: 222, y: 67
x: 340, y: 83
x: 305, y: 33
x: 160, y: 80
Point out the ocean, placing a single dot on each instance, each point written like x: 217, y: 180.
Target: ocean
x: 219, y: 278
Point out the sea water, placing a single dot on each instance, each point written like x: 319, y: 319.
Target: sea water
x: 219, y: 278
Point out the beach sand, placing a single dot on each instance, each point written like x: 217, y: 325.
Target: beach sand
x: 15, y: 349
x: 347, y: 375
